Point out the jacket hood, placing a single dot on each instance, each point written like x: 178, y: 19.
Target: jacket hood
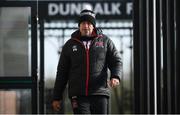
x: 96, y: 32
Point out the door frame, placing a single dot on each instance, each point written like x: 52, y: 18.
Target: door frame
x: 25, y: 82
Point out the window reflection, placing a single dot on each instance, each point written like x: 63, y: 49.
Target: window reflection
x: 14, y: 42
x: 15, y: 101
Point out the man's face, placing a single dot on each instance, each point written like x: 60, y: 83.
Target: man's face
x: 86, y: 28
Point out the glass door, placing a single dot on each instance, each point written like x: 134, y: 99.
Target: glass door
x: 18, y: 58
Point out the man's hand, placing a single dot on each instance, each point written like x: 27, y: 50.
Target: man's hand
x: 56, y: 105
x: 114, y: 82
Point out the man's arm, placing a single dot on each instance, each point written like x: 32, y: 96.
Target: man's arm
x: 114, y: 63
x: 61, y: 79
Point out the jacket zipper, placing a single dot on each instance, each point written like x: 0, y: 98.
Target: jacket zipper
x: 87, y: 66
x: 87, y: 71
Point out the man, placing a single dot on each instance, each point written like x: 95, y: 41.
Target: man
x: 83, y: 65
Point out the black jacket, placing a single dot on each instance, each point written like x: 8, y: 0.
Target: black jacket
x: 85, y: 70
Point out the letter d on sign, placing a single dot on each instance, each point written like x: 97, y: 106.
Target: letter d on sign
x: 52, y: 9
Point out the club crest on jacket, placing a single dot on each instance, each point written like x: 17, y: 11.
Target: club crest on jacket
x: 74, y: 48
x: 99, y: 44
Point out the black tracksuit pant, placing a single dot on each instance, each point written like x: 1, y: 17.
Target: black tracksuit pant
x: 95, y: 104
